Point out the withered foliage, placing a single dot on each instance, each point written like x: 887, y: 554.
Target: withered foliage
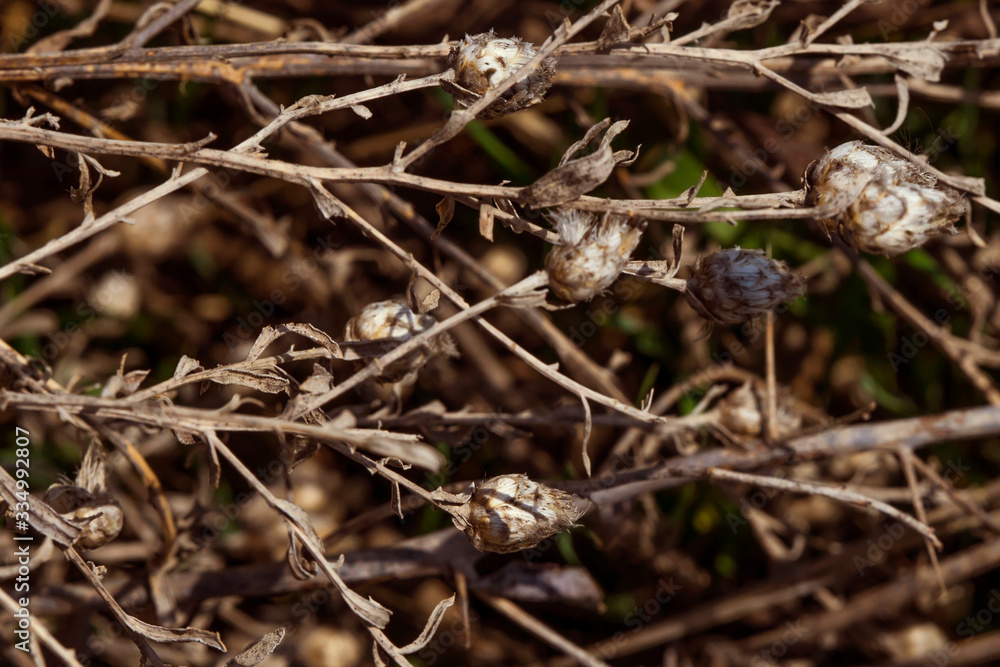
x: 457, y: 332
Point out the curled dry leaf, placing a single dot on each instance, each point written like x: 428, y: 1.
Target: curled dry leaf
x: 575, y: 178
x: 258, y: 651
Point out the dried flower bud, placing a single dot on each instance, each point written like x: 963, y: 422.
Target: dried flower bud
x: 592, y: 253
x: 481, y: 62
x: 740, y: 413
x: 86, y: 502
x: 735, y: 285
x: 393, y: 320
x: 896, y: 207
x: 510, y: 513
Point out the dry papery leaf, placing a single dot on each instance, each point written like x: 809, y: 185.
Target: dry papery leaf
x: 258, y: 651
x: 575, y: 178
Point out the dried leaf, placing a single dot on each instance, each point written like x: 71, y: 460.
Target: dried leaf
x: 270, y: 334
x: 616, y: 30
x: 429, y: 628
x: 430, y: 302
x: 486, y: 217
x: 574, y: 178
x: 186, y: 366
x: 269, y: 382
x: 744, y: 14
x: 319, y: 382
x: 446, y: 211
x: 258, y: 651
x: 329, y: 206
x: 157, y: 633
x: 123, y: 385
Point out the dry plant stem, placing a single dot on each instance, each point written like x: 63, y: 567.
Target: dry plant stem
x: 833, y: 20
x: 176, y: 182
x: 374, y: 615
x: 262, y: 363
x: 461, y: 117
x: 236, y: 159
x: 521, y: 289
x: 262, y: 225
x: 578, y: 363
x: 395, y: 16
x: 887, y: 598
x: 196, y: 420
x: 540, y: 630
x: 83, y: 232
x: 238, y: 60
x: 840, y: 494
x: 772, y: 380
x: 961, y: 498
x: 138, y: 38
x: 20, y: 367
x: 39, y: 630
x: 541, y: 367
x: 916, y: 432
x: 789, y: 584
x: 906, y: 457
x: 963, y: 354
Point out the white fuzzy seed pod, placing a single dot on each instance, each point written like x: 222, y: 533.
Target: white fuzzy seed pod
x: 393, y: 320
x: 511, y: 512
x: 734, y: 285
x: 482, y: 61
x: 897, y: 206
x: 592, y: 253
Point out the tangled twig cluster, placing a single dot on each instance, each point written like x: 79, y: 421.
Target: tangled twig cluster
x: 426, y: 363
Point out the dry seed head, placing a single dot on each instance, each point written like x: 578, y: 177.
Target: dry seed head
x: 896, y: 206
x: 734, y: 285
x: 592, y: 253
x: 394, y: 320
x: 740, y: 413
x: 481, y: 62
x: 510, y: 513
x: 86, y: 503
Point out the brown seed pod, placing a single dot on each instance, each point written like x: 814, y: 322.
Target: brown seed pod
x: 740, y: 413
x: 734, y: 285
x: 394, y: 320
x: 592, y: 253
x: 896, y: 206
x: 511, y: 512
x: 481, y: 62
x: 86, y: 502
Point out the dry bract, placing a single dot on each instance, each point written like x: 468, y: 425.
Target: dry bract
x: 393, y: 320
x: 86, y: 503
x: 511, y: 512
x: 592, y: 254
x: 733, y: 286
x: 895, y: 206
x: 481, y: 62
